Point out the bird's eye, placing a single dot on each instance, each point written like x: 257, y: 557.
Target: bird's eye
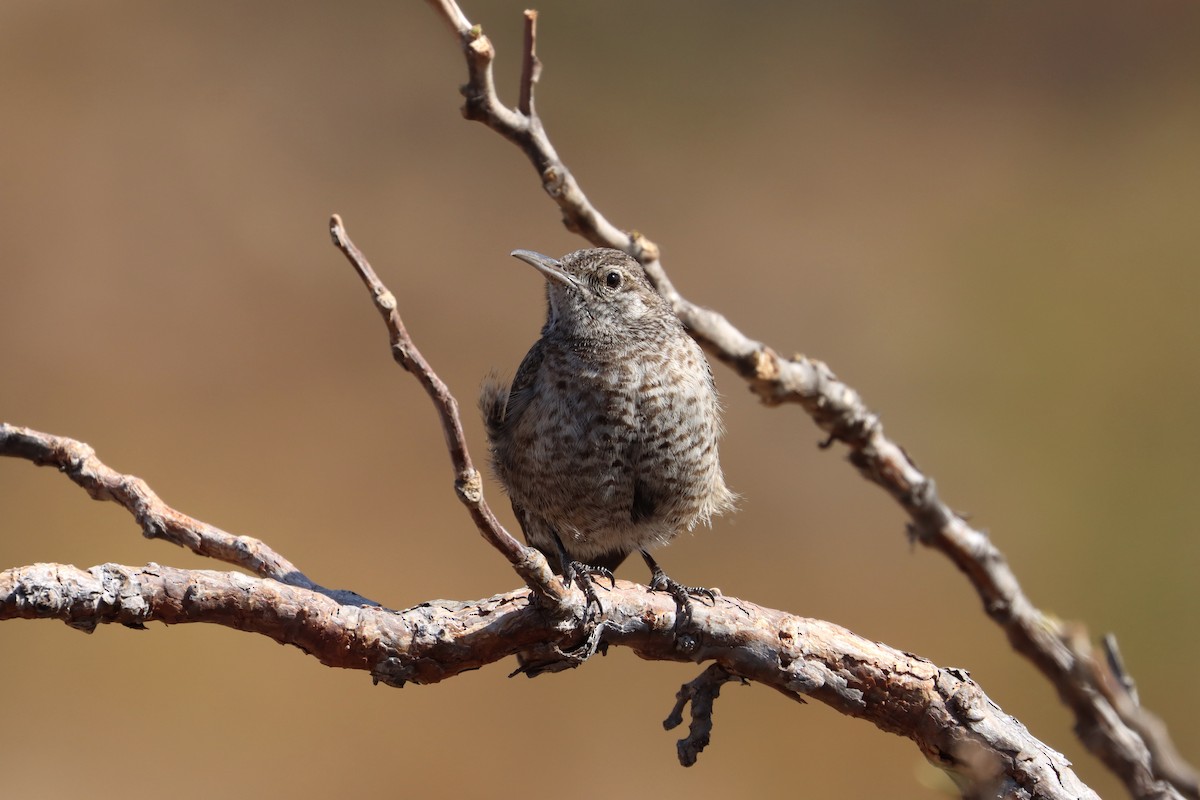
x: 613, y: 279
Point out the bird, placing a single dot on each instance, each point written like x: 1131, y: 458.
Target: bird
x: 606, y: 440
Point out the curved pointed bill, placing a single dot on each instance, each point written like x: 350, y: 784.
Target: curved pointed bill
x: 550, y: 267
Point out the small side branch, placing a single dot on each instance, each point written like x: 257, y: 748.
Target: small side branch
x: 1121, y: 734
x: 468, y: 483
x: 943, y: 711
x: 158, y: 520
x: 701, y: 693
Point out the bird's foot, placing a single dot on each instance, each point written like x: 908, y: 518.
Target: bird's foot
x: 558, y: 660
x: 661, y: 582
x: 552, y: 658
x: 593, y: 624
x: 585, y: 576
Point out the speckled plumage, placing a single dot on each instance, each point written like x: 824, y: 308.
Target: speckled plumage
x: 608, y: 434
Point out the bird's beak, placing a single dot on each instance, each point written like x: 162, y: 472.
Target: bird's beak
x: 550, y: 267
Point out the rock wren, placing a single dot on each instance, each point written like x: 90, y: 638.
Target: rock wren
x: 606, y: 442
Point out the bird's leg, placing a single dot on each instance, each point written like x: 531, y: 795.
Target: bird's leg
x: 660, y: 582
x: 577, y: 570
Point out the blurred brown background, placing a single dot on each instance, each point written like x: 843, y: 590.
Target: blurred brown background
x: 983, y: 216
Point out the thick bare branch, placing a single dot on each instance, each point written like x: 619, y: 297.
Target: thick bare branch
x: 1124, y: 736
x: 942, y: 710
x: 158, y: 520
x: 468, y: 484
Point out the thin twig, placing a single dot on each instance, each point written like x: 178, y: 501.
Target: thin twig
x: 158, y: 520
x: 1116, y: 665
x: 948, y: 716
x: 1143, y: 764
x: 531, y: 67
x: 468, y: 484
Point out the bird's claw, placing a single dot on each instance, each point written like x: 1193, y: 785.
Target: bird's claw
x: 577, y: 569
x: 660, y: 582
x: 584, y: 575
x: 683, y: 597
x: 593, y: 642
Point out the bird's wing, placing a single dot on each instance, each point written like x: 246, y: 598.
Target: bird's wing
x: 522, y: 385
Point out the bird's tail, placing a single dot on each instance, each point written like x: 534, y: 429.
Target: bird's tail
x: 493, y: 402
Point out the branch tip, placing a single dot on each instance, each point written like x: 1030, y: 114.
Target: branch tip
x: 531, y: 67
x: 337, y: 230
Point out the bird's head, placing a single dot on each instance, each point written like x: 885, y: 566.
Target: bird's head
x: 598, y: 293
